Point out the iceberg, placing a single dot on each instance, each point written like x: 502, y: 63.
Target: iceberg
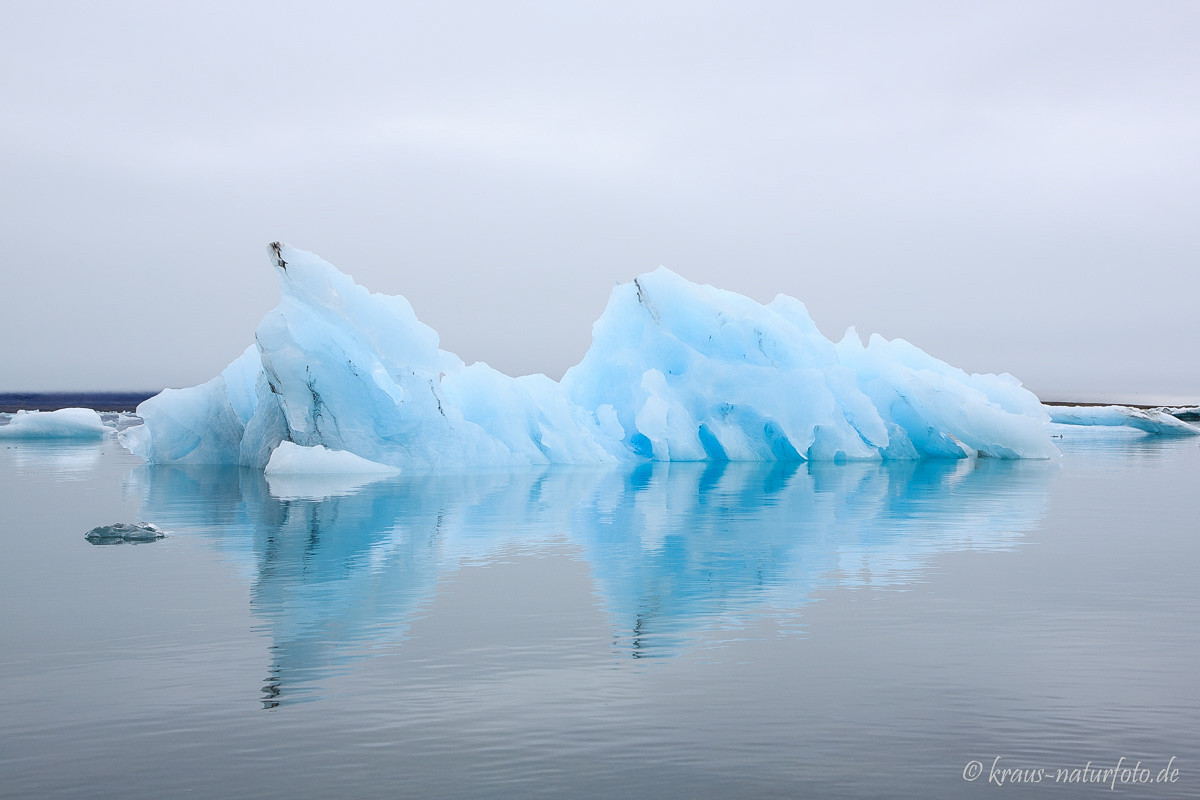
x: 1157, y: 421
x: 65, y: 423
x: 675, y: 372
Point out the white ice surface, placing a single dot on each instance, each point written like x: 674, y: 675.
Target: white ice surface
x: 1180, y: 411
x: 311, y: 473
x: 676, y: 372
x: 66, y: 423
x: 1151, y: 421
x: 292, y: 459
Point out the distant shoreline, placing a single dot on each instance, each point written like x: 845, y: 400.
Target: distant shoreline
x: 1125, y: 405
x: 11, y: 402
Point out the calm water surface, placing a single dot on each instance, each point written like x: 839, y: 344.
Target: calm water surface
x: 680, y: 630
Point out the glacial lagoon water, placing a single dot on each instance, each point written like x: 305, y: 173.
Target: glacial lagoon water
x: 670, y: 630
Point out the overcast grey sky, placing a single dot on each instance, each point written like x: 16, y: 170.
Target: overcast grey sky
x: 1011, y: 186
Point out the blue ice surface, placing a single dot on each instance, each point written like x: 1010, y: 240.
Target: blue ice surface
x: 676, y: 372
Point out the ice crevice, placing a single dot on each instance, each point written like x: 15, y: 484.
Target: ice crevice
x: 676, y: 372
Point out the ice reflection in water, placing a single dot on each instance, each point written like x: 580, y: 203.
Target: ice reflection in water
x: 65, y: 459
x: 676, y: 551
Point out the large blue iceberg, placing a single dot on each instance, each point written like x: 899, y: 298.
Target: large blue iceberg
x: 676, y: 372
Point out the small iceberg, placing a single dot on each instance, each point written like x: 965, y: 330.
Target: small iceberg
x: 1156, y: 421
x: 66, y: 423
x: 125, y: 533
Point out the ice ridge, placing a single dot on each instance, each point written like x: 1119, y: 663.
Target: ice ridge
x: 676, y: 372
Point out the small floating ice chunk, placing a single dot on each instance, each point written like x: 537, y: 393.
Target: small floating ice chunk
x: 125, y: 533
x: 290, y: 458
x: 66, y: 423
x: 1152, y: 421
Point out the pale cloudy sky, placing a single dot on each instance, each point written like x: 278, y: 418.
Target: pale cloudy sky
x: 1013, y: 187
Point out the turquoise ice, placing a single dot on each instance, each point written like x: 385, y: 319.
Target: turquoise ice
x: 675, y: 372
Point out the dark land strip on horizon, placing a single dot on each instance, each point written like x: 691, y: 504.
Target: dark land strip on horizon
x: 11, y: 402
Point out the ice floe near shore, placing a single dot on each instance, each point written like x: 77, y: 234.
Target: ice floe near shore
x: 66, y: 423
x: 1157, y: 421
x: 676, y: 372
